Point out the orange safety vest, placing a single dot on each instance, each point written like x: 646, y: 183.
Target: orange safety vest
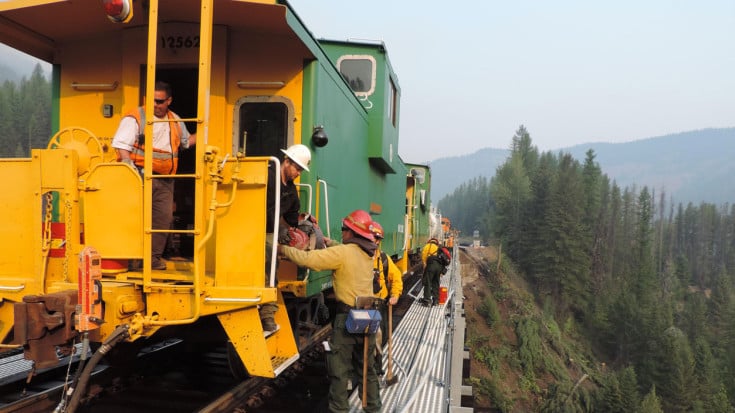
x: 164, y: 163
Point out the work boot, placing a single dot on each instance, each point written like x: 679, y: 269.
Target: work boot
x: 269, y: 325
x: 158, y: 263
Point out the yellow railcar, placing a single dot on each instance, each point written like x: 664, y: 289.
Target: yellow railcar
x: 249, y: 79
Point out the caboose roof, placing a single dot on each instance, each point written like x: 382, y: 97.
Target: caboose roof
x: 37, y: 27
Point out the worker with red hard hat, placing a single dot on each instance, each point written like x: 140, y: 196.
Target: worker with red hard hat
x: 352, y: 262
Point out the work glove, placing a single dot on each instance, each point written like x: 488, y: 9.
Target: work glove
x: 283, y: 236
x: 308, y: 224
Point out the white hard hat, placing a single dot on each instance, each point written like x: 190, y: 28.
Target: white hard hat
x: 300, y: 154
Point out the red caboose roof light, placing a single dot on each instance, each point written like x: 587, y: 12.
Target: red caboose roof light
x: 118, y: 11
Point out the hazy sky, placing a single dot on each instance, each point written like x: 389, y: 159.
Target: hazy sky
x: 571, y: 71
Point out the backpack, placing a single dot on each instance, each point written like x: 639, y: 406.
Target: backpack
x: 444, y: 257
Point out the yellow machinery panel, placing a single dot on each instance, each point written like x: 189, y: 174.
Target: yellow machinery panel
x: 113, y: 212
x: 240, y: 242
x: 17, y: 232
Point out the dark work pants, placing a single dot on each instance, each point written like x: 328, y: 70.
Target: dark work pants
x: 162, y: 214
x: 430, y: 279
x: 345, y: 360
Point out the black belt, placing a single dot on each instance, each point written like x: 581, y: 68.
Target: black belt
x: 343, y: 308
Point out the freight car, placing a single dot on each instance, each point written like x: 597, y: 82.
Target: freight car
x: 249, y: 79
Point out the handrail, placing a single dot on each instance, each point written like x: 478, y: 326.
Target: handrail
x: 225, y: 300
x: 14, y: 288
x: 326, y: 204
x: 148, y: 131
x: 277, y: 203
x: 235, y: 180
x: 309, y: 190
x: 244, y: 84
x: 94, y: 86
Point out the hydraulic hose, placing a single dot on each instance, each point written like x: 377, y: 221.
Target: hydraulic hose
x: 120, y: 333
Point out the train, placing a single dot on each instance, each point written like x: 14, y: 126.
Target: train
x: 448, y: 232
x: 249, y: 79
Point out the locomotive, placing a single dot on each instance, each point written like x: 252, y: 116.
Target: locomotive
x: 250, y: 80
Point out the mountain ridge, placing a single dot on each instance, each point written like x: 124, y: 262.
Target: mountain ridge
x: 693, y: 166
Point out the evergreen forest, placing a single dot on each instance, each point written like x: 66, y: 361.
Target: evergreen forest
x: 25, y: 115
x: 648, y: 284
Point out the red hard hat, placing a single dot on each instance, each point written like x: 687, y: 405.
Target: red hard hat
x: 360, y: 223
x: 378, y: 230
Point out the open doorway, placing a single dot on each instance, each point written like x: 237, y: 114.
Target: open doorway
x: 184, y: 92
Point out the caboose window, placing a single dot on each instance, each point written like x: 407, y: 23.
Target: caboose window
x: 359, y: 72
x: 393, y: 102
x: 263, y: 125
x: 263, y: 128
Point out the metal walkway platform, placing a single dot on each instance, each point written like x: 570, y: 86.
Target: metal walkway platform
x: 428, y: 355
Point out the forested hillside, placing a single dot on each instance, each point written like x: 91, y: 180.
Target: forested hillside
x: 649, y: 284
x: 25, y: 114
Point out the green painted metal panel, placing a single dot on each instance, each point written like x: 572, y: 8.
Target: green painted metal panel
x: 359, y: 168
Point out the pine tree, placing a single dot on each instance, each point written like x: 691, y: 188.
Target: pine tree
x: 709, y: 388
x: 644, y: 269
x: 719, y: 402
x: 510, y: 190
x: 719, y: 304
x: 37, y: 107
x: 675, y: 376
x: 567, y: 255
x: 629, y: 389
x: 523, y: 147
x: 535, y: 262
x: 591, y: 178
x: 610, y: 398
x: 10, y: 118
x: 694, y: 316
x: 651, y: 403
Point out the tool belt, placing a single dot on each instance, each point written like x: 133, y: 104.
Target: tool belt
x: 361, y: 303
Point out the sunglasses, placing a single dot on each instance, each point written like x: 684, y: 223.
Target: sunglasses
x: 160, y: 101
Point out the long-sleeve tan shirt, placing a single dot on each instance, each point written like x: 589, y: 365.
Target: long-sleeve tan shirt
x: 353, y: 268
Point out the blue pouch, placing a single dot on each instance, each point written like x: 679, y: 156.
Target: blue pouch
x: 363, y: 321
